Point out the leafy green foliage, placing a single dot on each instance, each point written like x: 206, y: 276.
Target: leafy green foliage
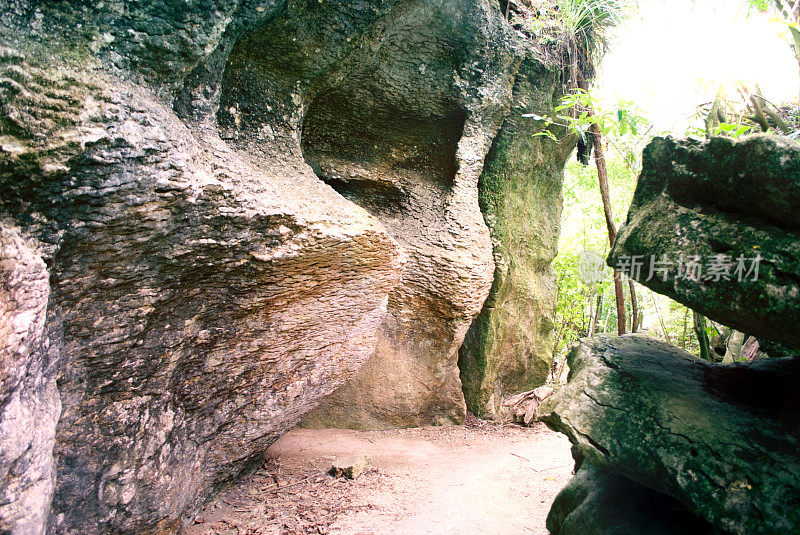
x: 624, y: 126
x: 733, y: 130
x: 573, y: 30
x: 760, y: 5
x: 626, y: 131
x: 585, y: 19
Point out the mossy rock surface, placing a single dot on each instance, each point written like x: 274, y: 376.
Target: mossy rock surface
x: 720, y: 439
x: 721, y: 199
x: 509, y: 347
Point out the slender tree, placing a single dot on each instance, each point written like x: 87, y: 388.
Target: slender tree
x: 595, y: 317
x: 596, y: 137
x: 702, y: 336
x: 590, y: 20
x: 611, y: 227
x: 634, y: 307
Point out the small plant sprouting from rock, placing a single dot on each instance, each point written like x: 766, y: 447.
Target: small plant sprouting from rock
x: 573, y: 32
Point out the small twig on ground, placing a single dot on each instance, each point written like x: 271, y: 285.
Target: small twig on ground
x: 554, y: 468
x: 520, y: 456
x: 279, y: 487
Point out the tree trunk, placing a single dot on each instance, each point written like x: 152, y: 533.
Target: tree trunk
x: 764, y: 106
x: 602, y: 179
x: 634, y: 307
x: 758, y: 113
x: 685, y: 322
x: 605, y: 322
x: 702, y: 336
x: 597, y: 310
x: 660, y: 319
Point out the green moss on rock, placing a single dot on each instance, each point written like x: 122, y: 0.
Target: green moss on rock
x: 509, y: 346
x: 722, y: 197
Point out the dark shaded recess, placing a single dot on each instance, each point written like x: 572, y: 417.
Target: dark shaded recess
x: 770, y: 387
x: 776, y: 349
x: 597, y: 501
x: 472, y: 364
x: 392, y: 145
x: 503, y: 5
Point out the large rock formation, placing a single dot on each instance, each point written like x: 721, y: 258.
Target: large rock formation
x: 413, y: 161
x: 172, y: 261
x: 509, y: 347
x: 29, y: 402
x: 411, y: 166
x: 202, y: 298
x: 722, y: 440
x: 714, y: 202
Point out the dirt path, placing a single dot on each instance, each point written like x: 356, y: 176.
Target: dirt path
x: 474, y: 479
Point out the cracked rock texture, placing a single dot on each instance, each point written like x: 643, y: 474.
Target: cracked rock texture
x: 729, y: 198
x: 721, y: 440
x: 205, y: 213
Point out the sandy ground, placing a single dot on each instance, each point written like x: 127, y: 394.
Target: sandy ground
x: 479, y: 478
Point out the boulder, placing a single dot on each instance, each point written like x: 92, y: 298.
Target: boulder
x: 350, y: 467
x: 719, y: 205
x: 194, y: 296
x: 509, y: 346
x: 721, y: 439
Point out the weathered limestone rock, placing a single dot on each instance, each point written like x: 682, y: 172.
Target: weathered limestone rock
x: 509, y: 347
x: 414, y: 163
x: 203, y: 295
x: 729, y: 198
x: 722, y: 440
x: 597, y: 502
x: 29, y: 402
